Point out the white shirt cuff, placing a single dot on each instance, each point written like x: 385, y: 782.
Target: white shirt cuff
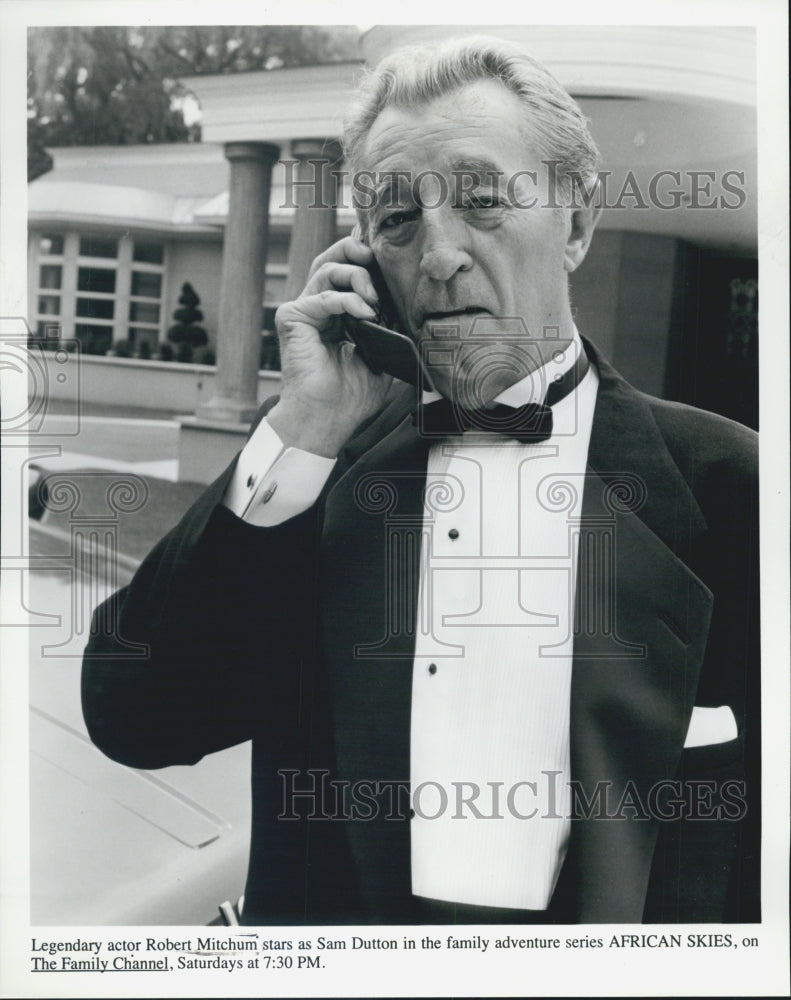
x: 272, y: 483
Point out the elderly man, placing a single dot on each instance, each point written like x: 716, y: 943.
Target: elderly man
x: 498, y: 664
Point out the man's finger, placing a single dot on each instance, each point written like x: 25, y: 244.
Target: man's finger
x: 348, y: 250
x: 314, y: 310
x: 341, y: 277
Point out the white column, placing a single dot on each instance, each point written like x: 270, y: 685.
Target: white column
x: 242, y: 283
x: 315, y: 195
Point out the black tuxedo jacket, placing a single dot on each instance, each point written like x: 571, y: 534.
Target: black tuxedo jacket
x: 300, y: 637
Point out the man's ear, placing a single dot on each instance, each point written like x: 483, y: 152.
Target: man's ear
x: 583, y: 222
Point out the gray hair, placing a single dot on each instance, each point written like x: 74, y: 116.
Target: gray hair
x: 415, y: 75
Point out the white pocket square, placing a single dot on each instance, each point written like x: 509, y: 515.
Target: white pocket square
x: 710, y: 725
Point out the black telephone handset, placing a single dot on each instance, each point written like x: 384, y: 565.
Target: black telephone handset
x: 383, y: 349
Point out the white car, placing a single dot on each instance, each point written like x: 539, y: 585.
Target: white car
x: 111, y: 844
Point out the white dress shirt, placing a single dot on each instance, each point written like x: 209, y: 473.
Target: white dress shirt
x: 489, y: 743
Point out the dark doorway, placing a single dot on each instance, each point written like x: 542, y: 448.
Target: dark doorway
x: 719, y: 349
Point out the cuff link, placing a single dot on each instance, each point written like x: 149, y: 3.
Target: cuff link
x: 267, y: 495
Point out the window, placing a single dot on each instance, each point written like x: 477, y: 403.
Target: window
x: 48, y: 288
x: 47, y: 330
x: 142, y: 312
x: 94, y: 339
x: 149, y: 285
x: 145, y: 295
x: 99, y: 288
x: 50, y: 276
x: 94, y: 246
x: 96, y: 279
x: 49, y: 305
x: 148, y: 253
x: 96, y: 308
x: 50, y: 245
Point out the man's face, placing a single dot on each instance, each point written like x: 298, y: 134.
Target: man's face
x: 458, y: 255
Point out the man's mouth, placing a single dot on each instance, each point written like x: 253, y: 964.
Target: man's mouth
x: 451, y: 314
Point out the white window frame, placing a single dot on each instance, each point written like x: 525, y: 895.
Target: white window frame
x: 141, y: 267
x: 71, y: 260
x: 48, y: 260
x: 100, y: 264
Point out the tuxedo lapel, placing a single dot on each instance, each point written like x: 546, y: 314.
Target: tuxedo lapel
x: 640, y: 635
x: 373, y: 524
x: 375, y: 567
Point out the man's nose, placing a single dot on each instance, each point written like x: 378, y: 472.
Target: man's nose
x: 445, y: 248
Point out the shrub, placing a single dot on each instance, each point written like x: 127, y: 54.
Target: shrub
x: 186, y: 330
x: 184, y: 352
x: 122, y: 348
x: 144, y: 351
x: 165, y: 352
x: 205, y: 356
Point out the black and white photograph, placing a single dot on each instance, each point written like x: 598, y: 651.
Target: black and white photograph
x: 395, y: 501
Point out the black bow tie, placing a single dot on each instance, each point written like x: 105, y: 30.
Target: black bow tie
x: 530, y: 423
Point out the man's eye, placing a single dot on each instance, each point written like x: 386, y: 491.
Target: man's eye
x: 398, y: 219
x: 482, y: 201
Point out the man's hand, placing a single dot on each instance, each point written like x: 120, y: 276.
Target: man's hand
x: 327, y: 390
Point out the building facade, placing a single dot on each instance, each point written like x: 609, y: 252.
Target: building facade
x: 671, y: 276
x: 115, y: 231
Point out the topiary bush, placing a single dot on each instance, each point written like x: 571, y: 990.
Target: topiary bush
x: 185, y: 332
